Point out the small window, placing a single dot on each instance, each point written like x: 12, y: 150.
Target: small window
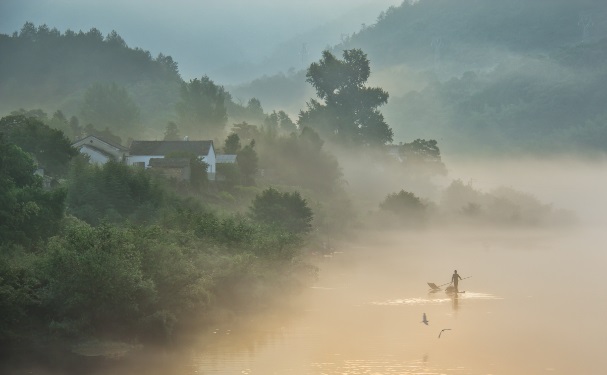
x: 139, y: 164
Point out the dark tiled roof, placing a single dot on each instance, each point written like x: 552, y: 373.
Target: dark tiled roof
x: 169, y: 162
x: 197, y: 148
x: 115, y: 145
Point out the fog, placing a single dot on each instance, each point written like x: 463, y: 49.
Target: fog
x: 227, y: 40
x: 520, y: 212
x: 531, y: 304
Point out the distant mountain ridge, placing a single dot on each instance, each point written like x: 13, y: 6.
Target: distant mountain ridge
x: 484, y: 75
x: 527, y: 75
x: 417, y: 33
x: 43, y: 68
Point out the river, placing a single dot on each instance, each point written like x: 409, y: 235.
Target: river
x: 533, y: 303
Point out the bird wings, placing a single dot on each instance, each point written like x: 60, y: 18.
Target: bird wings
x: 441, y: 332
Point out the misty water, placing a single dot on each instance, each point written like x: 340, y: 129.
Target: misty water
x: 534, y: 304
x: 534, y: 301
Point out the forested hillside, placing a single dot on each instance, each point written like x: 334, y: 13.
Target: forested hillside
x: 485, y: 76
x: 477, y: 32
x: 44, y: 68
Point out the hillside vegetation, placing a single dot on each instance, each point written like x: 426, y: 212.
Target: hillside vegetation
x: 484, y: 77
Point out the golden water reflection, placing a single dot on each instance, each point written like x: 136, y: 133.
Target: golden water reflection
x: 364, y: 315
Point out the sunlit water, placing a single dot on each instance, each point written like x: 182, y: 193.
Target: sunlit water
x: 534, y: 304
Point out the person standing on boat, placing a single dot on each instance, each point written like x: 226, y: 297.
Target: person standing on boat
x: 455, y: 280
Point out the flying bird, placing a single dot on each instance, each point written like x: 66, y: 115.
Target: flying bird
x: 424, y: 320
x: 441, y: 332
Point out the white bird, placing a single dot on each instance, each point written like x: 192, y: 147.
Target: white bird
x: 424, y: 320
x: 441, y: 332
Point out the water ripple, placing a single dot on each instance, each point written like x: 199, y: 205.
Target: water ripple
x: 435, y: 301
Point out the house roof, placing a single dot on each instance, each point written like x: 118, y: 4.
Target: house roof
x: 225, y: 158
x: 197, y: 148
x: 169, y: 162
x: 112, y: 144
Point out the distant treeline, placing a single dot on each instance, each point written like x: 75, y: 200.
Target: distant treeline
x: 41, y: 64
x: 487, y: 77
x: 470, y: 31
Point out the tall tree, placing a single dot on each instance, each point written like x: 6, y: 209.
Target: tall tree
x: 110, y: 106
x: 232, y: 144
x: 202, y: 108
x: 172, y: 132
x: 248, y: 163
x: 348, y: 112
x: 423, y: 157
x: 285, y: 122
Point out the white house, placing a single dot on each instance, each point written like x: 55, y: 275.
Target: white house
x: 141, y: 152
x: 99, y: 150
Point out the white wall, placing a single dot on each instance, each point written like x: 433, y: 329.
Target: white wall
x: 95, y: 157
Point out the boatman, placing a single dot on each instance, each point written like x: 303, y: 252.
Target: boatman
x: 455, y: 279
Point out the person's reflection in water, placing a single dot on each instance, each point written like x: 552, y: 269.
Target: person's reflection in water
x: 455, y: 301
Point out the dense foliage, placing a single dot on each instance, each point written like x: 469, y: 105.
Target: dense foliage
x: 472, y: 32
x: 110, y: 107
x: 202, y: 109
x: 45, y: 68
x: 348, y: 112
x: 122, y: 252
x: 28, y: 212
x: 287, y: 210
x: 50, y: 148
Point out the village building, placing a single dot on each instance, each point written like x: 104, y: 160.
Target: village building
x: 142, y: 153
x: 99, y: 150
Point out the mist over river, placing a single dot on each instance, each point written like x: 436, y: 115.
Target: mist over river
x: 532, y: 303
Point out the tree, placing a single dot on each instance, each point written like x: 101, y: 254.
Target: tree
x: 27, y: 211
x: 405, y: 206
x: 248, y: 163
x: 270, y: 123
x: 255, y: 110
x: 246, y: 132
x: 285, y: 122
x: 112, y: 192
x: 202, y: 109
x: 423, y: 157
x: 51, y: 149
x: 109, y: 106
x: 279, y: 121
x: 348, y: 112
x: 232, y: 144
x: 288, y: 211
x: 172, y: 132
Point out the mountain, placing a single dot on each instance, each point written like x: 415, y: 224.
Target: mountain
x: 43, y: 68
x: 482, y: 76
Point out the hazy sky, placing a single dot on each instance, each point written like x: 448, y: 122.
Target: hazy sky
x: 202, y: 36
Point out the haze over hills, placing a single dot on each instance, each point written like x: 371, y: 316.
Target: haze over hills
x: 231, y: 41
x: 482, y: 75
x: 479, y: 76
